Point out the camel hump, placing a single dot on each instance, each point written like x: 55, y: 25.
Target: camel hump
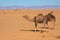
x: 39, y: 18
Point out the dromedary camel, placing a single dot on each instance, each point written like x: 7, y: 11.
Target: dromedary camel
x: 37, y: 19
x: 51, y: 18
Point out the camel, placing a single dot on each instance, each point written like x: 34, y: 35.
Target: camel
x: 50, y: 17
x: 37, y: 19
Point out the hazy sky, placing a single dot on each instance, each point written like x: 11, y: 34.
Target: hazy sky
x: 29, y: 2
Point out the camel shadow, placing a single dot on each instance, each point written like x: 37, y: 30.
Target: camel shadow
x: 34, y: 30
x: 46, y: 28
x: 58, y: 37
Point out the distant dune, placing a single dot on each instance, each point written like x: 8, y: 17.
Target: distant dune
x: 34, y: 7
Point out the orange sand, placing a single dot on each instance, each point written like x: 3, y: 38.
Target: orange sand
x: 11, y: 22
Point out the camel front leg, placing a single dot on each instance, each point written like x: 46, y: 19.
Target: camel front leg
x: 35, y: 26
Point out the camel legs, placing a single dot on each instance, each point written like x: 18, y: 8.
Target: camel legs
x: 35, y: 26
x: 46, y: 24
x: 53, y: 24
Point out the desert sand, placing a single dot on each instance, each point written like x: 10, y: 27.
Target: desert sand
x: 12, y: 22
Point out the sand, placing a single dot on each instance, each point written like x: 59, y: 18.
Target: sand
x: 12, y: 22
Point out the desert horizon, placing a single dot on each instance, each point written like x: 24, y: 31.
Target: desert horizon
x: 29, y: 7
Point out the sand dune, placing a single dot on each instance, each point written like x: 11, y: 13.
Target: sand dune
x: 11, y: 22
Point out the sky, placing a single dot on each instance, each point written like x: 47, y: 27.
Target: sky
x: 29, y: 3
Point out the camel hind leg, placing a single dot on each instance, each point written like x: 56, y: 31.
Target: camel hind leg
x: 53, y: 19
x: 46, y: 24
x: 53, y: 22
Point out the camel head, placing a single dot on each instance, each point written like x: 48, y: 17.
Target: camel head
x: 28, y: 18
x: 25, y: 16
